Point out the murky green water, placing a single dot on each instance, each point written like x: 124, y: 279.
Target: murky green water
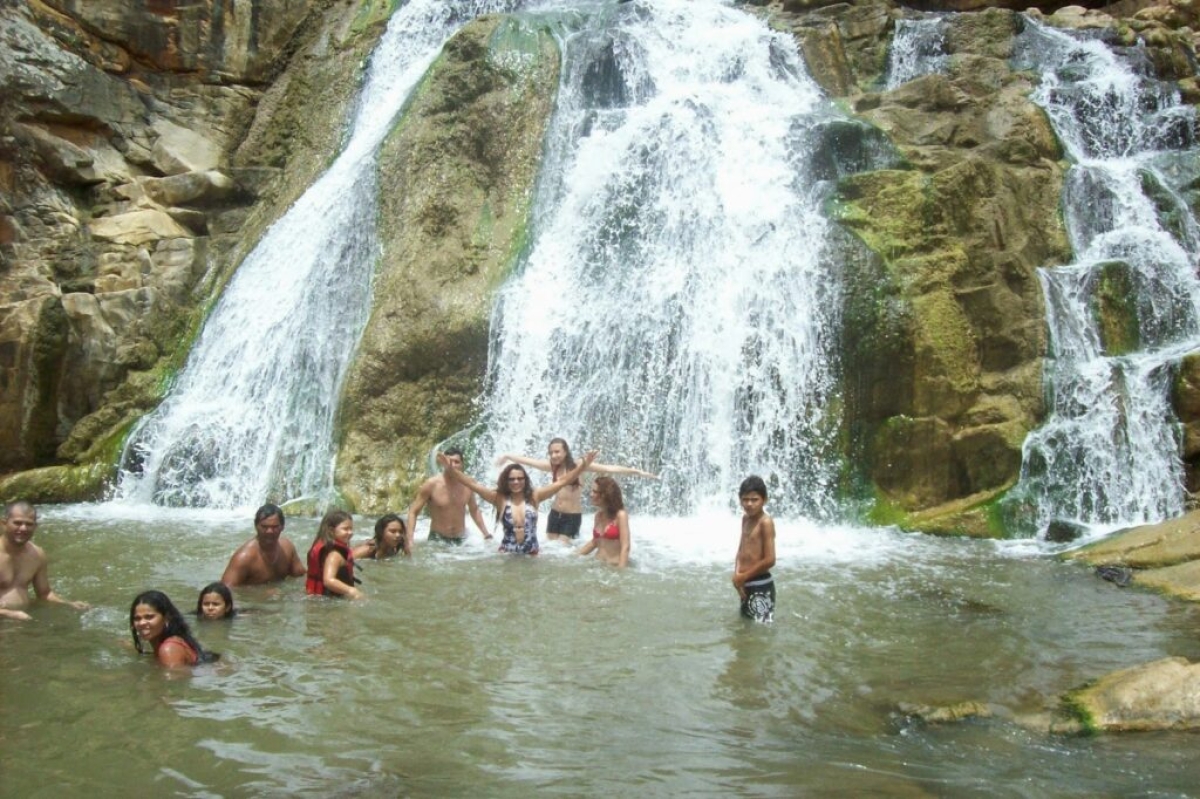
x: 467, y: 672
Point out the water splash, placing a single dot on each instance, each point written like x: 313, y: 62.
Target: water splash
x: 918, y: 48
x: 251, y: 415
x: 677, y: 308
x: 1128, y: 308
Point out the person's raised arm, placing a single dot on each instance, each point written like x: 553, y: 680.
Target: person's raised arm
x: 608, y: 468
x: 41, y: 587
x: 333, y: 562
x: 623, y: 526
x: 532, y: 463
x: 458, y: 476
x: 545, y: 492
x: 477, y: 517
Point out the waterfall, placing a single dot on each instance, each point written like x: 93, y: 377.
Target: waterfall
x: 677, y: 308
x: 918, y: 48
x: 1109, y: 452
x: 250, y: 416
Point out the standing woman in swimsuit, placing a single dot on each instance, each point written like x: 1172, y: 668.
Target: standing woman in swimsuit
x: 516, y: 501
x: 610, y: 528
x: 566, y: 514
x: 154, y: 620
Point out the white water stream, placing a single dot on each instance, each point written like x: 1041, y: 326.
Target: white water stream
x: 677, y: 309
x: 251, y: 414
x: 918, y: 48
x: 1109, y: 453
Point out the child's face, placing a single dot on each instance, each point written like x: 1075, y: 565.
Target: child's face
x: 213, y: 606
x: 344, y: 532
x: 752, y: 503
x: 392, y: 534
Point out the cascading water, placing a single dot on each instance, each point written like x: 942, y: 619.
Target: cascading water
x: 675, y: 310
x: 251, y: 415
x: 918, y: 48
x: 1108, y: 454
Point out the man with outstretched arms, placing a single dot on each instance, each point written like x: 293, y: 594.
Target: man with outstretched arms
x: 448, y: 504
x: 23, y: 563
x: 266, y: 558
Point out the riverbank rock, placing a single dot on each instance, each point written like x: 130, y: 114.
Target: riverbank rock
x: 1164, y: 557
x: 1162, y: 695
x: 143, y: 149
x: 456, y: 182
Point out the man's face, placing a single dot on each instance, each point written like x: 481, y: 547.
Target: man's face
x: 19, y: 526
x: 557, y: 454
x: 455, y: 461
x: 269, y: 529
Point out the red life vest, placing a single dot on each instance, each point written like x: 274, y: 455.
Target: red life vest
x: 315, y: 583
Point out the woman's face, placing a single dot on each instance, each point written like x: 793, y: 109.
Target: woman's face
x: 149, y: 623
x: 516, y: 482
x: 392, y: 535
x: 557, y: 453
x: 344, y: 532
x: 596, y: 496
x: 213, y: 606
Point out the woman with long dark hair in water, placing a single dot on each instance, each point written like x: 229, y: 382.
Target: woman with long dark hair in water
x: 610, y: 528
x: 566, y: 514
x: 155, y: 621
x: 516, y: 501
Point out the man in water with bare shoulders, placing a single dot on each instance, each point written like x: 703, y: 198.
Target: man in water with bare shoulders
x: 448, y: 504
x: 266, y: 558
x: 566, y: 514
x: 756, y: 553
x: 23, y: 563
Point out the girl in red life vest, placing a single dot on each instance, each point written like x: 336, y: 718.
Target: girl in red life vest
x: 330, y: 560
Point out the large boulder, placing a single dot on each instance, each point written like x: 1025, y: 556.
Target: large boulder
x: 1162, y: 695
x: 456, y: 181
x: 1164, y: 557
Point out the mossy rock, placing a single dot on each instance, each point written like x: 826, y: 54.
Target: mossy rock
x: 59, y: 484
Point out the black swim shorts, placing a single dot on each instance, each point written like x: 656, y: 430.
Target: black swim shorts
x: 759, y: 603
x: 448, y: 539
x: 567, y: 524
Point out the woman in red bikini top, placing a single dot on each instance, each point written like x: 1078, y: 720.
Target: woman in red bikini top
x: 610, y: 529
x: 154, y: 620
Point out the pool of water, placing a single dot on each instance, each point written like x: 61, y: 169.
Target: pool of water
x: 466, y: 671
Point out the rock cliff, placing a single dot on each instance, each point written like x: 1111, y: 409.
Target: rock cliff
x: 143, y: 150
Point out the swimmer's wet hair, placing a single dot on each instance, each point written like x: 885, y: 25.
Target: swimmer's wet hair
x: 269, y: 510
x: 753, y: 485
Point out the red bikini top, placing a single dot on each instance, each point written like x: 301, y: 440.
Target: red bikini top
x: 612, y: 532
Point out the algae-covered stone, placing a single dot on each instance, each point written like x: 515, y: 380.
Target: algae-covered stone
x: 1115, y: 308
x: 58, y: 483
x: 456, y: 180
x: 1162, y: 695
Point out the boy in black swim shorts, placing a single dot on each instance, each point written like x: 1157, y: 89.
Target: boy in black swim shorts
x: 756, y: 553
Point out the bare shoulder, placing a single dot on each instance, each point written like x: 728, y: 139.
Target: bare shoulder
x: 767, y: 525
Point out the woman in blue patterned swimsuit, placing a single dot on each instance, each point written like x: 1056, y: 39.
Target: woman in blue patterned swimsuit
x: 516, y: 501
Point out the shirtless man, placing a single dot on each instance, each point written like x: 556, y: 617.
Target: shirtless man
x: 23, y: 563
x: 267, y: 557
x: 756, y: 553
x: 448, y: 503
x: 566, y: 514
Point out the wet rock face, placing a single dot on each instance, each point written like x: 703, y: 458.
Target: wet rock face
x: 135, y: 161
x: 456, y: 182
x: 944, y: 323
